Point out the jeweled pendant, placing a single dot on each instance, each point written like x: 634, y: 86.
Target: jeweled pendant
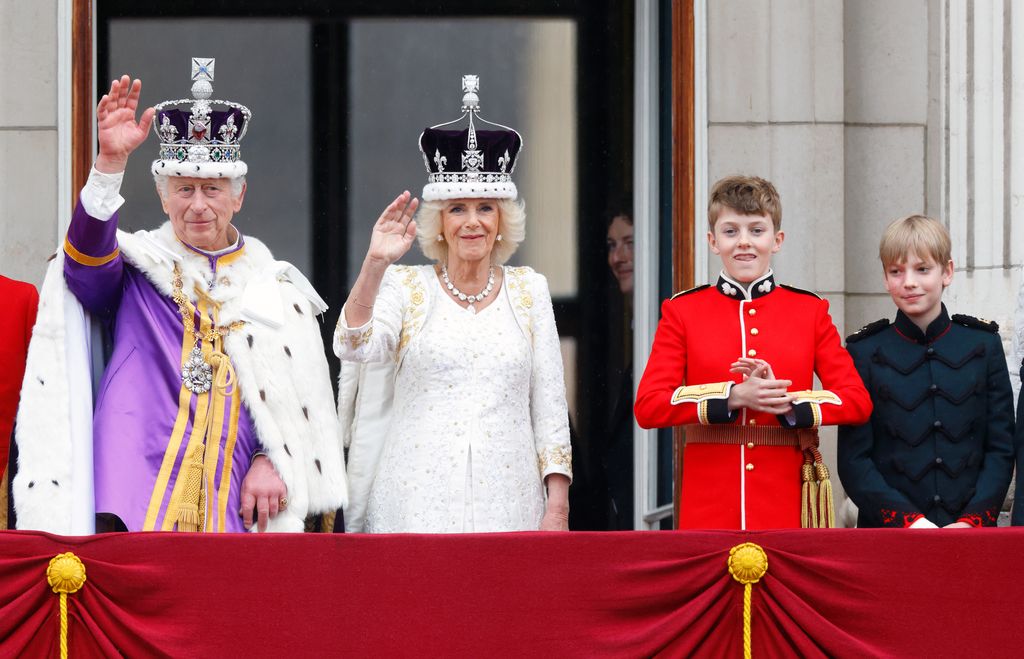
x: 471, y: 309
x: 196, y: 373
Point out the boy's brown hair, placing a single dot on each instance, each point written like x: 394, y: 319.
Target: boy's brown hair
x: 924, y: 236
x: 747, y: 195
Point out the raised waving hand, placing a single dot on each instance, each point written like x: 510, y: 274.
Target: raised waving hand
x: 394, y: 231
x: 390, y: 239
x: 117, y: 131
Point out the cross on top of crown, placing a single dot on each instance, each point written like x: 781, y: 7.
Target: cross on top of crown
x: 202, y: 68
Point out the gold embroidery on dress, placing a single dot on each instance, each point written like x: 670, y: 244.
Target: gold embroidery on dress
x: 560, y: 456
x: 522, y: 300
x: 356, y: 340
x: 413, y: 316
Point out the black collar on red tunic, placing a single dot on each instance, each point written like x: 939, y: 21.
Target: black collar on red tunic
x: 760, y: 287
x: 912, y: 332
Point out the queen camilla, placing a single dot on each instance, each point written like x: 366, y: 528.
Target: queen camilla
x: 452, y: 395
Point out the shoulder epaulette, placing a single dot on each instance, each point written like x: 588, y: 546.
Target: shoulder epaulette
x: 868, y: 330
x: 692, y: 290
x: 976, y: 323
x: 800, y: 290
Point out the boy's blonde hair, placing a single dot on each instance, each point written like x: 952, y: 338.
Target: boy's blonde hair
x: 922, y: 235
x: 747, y: 195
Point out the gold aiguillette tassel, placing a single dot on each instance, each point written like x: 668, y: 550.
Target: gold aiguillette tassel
x: 191, y: 501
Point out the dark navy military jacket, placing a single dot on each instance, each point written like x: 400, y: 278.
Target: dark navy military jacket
x: 940, y: 439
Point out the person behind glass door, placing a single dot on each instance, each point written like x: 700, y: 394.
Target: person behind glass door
x: 617, y: 453
x: 477, y: 431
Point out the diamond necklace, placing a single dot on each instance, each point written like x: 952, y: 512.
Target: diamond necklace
x: 468, y: 298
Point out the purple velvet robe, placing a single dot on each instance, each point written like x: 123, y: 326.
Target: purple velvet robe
x: 144, y: 418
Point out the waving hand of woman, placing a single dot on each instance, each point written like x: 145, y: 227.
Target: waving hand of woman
x: 392, y: 236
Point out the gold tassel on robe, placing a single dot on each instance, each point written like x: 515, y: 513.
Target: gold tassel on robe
x: 192, y: 508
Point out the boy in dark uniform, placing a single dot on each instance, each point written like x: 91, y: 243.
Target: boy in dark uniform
x: 735, y: 363
x: 938, y: 450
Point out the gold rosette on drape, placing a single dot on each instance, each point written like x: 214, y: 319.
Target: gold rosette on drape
x: 65, y: 574
x: 747, y: 564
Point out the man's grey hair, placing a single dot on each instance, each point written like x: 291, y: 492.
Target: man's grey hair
x: 237, y: 184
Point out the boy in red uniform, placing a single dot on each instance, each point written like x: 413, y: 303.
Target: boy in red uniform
x: 734, y: 363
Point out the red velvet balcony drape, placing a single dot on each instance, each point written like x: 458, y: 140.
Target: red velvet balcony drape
x: 846, y: 593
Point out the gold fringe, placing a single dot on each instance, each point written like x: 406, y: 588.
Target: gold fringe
x: 808, y: 498
x: 826, y: 508
x: 189, y: 517
x: 817, y: 510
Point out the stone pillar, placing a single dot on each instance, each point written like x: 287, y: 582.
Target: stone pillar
x: 776, y: 109
x: 28, y: 138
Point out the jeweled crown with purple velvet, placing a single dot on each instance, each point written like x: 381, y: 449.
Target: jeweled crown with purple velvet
x: 468, y: 162
x: 199, y: 141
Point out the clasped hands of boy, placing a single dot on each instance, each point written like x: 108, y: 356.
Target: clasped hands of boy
x: 760, y: 390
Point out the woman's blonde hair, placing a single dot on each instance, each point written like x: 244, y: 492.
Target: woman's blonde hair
x: 924, y: 236
x: 511, y: 226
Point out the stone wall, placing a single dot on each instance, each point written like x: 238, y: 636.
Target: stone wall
x: 28, y: 137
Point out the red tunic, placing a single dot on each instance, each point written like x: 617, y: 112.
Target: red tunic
x: 19, y: 315
x: 701, y: 333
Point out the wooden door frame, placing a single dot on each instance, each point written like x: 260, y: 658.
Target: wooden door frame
x: 684, y: 155
x: 82, y: 110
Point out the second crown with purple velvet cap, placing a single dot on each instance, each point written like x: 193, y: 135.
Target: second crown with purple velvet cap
x: 470, y: 162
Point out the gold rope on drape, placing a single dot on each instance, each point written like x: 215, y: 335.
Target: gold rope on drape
x: 65, y: 574
x: 747, y: 564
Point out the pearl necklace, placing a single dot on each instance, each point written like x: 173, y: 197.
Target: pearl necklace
x: 468, y: 298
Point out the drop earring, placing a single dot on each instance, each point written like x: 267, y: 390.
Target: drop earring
x: 498, y: 238
x: 440, y: 238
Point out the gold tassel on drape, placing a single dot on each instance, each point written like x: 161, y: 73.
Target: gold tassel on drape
x: 747, y: 564
x: 65, y: 574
